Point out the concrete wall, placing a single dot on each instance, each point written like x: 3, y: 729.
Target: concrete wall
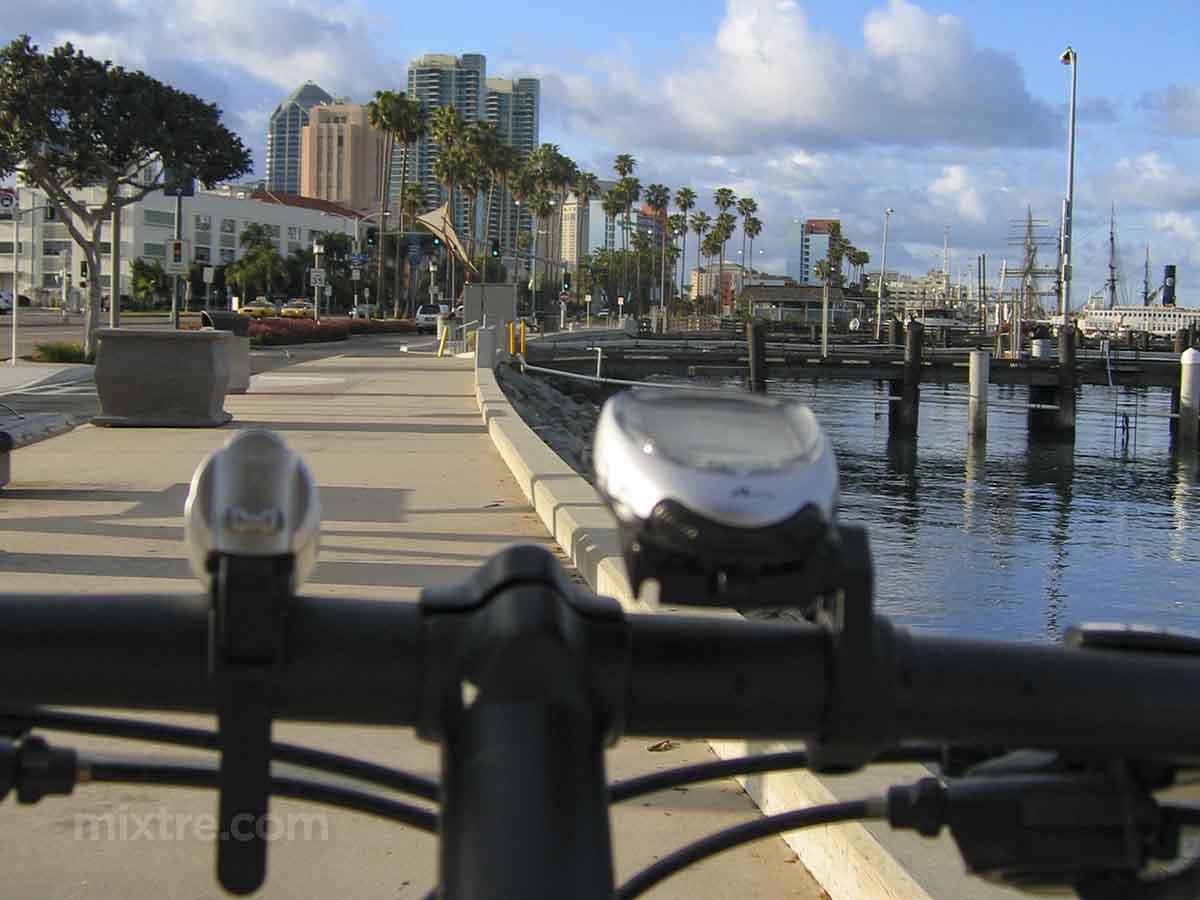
x: 852, y: 861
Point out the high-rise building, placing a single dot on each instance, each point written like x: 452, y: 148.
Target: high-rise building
x: 513, y: 108
x: 341, y: 155
x: 814, y: 247
x: 437, y: 80
x: 283, y: 137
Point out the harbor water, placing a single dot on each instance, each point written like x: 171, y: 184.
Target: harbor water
x: 1018, y: 538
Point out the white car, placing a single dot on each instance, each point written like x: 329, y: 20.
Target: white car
x: 427, y: 316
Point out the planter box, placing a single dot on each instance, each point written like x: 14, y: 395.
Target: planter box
x: 162, y: 379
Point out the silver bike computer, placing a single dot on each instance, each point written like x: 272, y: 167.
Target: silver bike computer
x: 717, y: 485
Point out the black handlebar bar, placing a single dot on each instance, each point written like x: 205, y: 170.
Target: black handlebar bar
x: 518, y: 664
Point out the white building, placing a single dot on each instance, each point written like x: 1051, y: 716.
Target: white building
x: 212, y: 224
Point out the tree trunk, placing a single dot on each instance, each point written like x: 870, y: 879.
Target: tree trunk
x: 385, y: 177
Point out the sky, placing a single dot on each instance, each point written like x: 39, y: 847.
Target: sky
x: 953, y: 114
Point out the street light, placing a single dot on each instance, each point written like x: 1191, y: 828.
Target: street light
x: 318, y: 258
x: 1068, y: 58
x: 887, y: 214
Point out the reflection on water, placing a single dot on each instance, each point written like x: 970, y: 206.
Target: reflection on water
x: 1014, y: 537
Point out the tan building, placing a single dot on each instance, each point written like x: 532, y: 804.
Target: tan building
x: 340, y: 156
x: 704, y: 281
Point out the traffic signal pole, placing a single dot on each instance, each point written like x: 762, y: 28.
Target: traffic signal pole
x: 178, y: 279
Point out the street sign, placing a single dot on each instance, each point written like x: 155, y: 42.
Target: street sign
x: 177, y: 257
x: 317, y: 277
x: 356, y: 274
x: 359, y: 259
x: 209, y: 274
x: 367, y: 293
x: 329, y: 290
x: 587, y: 298
x: 620, y: 301
x: 8, y: 203
x: 178, y: 183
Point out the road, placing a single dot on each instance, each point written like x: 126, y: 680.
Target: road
x: 38, y: 326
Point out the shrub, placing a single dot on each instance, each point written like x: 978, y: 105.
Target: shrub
x: 61, y: 352
x: 383, y: 326
x: 274, y: 332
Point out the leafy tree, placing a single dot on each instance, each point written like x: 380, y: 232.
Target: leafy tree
x: 68, y: 121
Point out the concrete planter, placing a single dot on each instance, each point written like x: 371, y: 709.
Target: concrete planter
x: 162, y: 379
x: 239, y: 364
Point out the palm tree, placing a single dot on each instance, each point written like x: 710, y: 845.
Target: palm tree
x: 631, y: 191
x: 723, y: 229
x: 746, y: 207
x: 677, y: 225
x: 753, y: 228
x: 701, y: 222
x: 685, y: 201
x: 400, y: 118
x: 710, y: 248
x: 258, y: 241
x: 658, y: 199
x: 448, y: 129
x: 586, y: 186
x: 625, y: 165
x: 541, y: 204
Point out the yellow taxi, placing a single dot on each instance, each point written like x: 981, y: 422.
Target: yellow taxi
x: 297, y: 309
x: 262, y: 308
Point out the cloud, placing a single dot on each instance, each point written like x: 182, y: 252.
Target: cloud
x: 1175, y: 110
x: 1146, y: 182
x: 245, y: 57
x: 953, y: 188
x: 772, y: 79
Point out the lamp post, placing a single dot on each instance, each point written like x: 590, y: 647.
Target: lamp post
x: 1068, y: 58
x: 887, y: 214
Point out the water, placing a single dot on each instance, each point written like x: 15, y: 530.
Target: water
x: 1018, y: 539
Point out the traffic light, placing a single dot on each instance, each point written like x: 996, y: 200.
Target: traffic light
x: 372, y: 235
x: 177, y: 253
x: 437, y: 242
x: 566, y: 282
x: 495, y: 248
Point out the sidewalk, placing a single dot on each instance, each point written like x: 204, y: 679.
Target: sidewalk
x: 413, y: 493
x: 26, y: 375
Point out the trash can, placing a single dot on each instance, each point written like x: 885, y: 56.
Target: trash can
x: 239, y: 345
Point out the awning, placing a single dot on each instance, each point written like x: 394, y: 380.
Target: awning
x: 438, y: 222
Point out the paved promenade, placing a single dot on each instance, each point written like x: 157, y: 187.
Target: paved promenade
x: 413, y: 494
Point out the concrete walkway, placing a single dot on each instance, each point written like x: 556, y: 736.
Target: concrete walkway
x: 413, y: 494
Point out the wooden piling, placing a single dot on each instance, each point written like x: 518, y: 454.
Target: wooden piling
x: 904, y: 413
x: 1064, y: 417
x: 756, y: 341
x: 977, y: 393
x: 1189, y: 400
x: 1182, y: 341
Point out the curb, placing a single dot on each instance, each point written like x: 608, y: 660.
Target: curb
x: 31, y: 429
x: 853, y: 861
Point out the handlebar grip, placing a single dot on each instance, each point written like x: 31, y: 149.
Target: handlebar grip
x: 964, y: 692
x: 352, y: 661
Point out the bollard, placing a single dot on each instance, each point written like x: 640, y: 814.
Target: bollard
x: 1189, y: 399
x: 977, y: 392
x: 485, y: 348
x: 522, y: 337
x: 512, y: 338
x: 904, y: 413
x: 756, y: 338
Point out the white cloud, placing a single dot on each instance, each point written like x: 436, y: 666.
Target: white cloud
x: 772, y: 78
x: 1147, y: 181
x: 1176, y: 110
x: 953, y: 188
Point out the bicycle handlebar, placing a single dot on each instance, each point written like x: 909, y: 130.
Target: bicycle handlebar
x: 516, y: 662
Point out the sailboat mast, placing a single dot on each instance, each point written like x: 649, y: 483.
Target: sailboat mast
x: 1146, y: 279
x: 1112, y: 259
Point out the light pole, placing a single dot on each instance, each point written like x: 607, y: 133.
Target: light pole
x: 318, y: 258
x: 887, y: 214
x: 1068, y: 58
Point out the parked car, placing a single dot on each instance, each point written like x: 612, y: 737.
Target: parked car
x: 297, y: 309
x: 5, y: 303
x: 262, y: 308
x: 365, y: 311
x: 427, y: 316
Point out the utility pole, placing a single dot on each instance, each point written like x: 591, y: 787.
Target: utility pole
x: 887, y: 214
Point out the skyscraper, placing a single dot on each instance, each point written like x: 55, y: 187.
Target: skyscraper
x: 340, y: 156
x: 283, y: 137
x: 513, y: 108
x: 439, y: 79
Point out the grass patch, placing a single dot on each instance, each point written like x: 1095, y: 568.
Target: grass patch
x: 61, y: 352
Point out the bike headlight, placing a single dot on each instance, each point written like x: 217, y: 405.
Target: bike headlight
x: 716, y: 484
x: 253, y: 497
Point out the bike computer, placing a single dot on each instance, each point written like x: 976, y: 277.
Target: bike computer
x: 711, y: 490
